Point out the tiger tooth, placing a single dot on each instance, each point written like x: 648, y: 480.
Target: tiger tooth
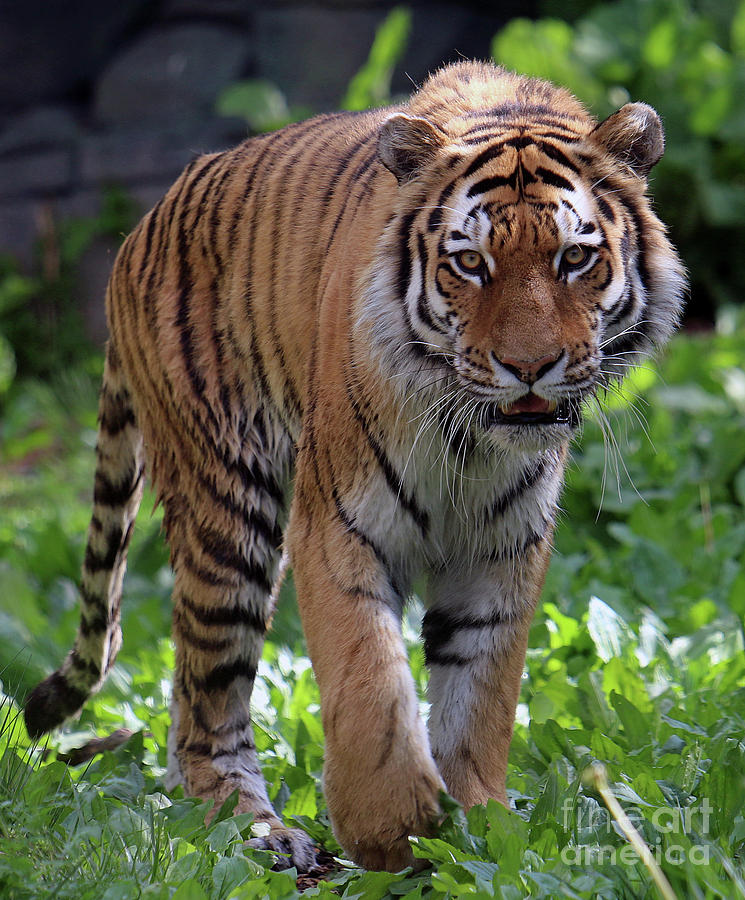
x: 552, y: 405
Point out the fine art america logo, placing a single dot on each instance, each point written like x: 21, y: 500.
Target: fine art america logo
x: 668, y: 826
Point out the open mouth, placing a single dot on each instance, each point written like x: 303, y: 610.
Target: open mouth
x: 530, y: 410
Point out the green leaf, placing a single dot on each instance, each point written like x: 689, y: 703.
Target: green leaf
x: 737, y: 36
x: 609, y: 632
x: 223, y: 835
x: 190, y: 890
x: 637, y: 728
x: 662, y: 44
x: 232, y: 871
x: 371, y: 85
x: 259, y: 102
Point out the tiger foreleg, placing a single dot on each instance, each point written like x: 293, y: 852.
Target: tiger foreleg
x: 380, y: 781
x: 475, y: 640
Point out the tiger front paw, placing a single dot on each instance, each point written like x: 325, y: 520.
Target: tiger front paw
x: 374, y: 827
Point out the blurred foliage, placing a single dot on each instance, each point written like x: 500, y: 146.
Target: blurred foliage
x: 263, y: 105
x: 41, y: 326
x: 371, y: 86
x: 687, y: 59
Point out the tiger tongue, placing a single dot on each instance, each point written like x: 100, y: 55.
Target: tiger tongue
x: 530, y: 403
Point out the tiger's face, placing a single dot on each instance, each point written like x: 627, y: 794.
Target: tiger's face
x: 539, y: 272
x: 515, y: 297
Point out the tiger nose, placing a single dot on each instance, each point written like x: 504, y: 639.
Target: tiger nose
x: 529, y: 370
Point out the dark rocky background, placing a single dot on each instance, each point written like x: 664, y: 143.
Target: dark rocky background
x: 95, y: 94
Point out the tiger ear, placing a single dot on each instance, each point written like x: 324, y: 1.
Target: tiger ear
x: 634, y: 135
x: 406, y: 144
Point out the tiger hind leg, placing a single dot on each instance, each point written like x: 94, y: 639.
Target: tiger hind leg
x: 225, y: 538
x: 116, y: 498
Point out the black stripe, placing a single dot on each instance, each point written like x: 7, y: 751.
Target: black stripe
x: 253, y: 517
x: 116, y: 413
x: 484, y: 157
x: 351, y: 528
x: 253, y: 476
x: 529, y: 479
x: 555, y: 154
x: 84, y: 666
x: 205, y: 575
x: 186, y: 633
x: 220, y: 548
x: 604, y: 208
x: 245, y: 744
x: 200, y: 748
x: 216, y: 218
x: 422, y: 306
x: 439, y: 626
x: 361, y: 168
x: 641, y: 256
x: 623, y: 309
x: 490, y: 184
x: 287, y: 136
x: 157, y: 254
x: 437, y: 658
x: 94, y: 618
x: 435, y: 216
x: 522, y: 109
x: 115, y: 494
x: 115, y: 543
x: 404, y: 258
x: 224, y: 616
x: 185, y: 287
x: 221, y: 677
x: 345, y: 161
x: 150, y: 231
x: 392, y: 478
x: 608, y: 277
x: 549, y: 177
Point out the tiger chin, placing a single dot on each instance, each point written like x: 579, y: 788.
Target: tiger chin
x: 401, y: 312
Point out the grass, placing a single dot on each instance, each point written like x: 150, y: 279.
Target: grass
x: 636, y: 662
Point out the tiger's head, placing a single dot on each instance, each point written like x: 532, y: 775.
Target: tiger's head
x: 524, y: 262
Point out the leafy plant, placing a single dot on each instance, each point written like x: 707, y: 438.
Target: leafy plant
x: 687, y: 59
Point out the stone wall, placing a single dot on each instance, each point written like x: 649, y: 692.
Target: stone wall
x: 95, y: 94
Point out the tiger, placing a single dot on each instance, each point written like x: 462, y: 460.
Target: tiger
x: 360, y: 345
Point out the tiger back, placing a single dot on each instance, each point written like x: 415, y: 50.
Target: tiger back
x: 403, y: 311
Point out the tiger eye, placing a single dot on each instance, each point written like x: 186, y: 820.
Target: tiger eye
x: 576, y: 255
x: 470, y: 260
